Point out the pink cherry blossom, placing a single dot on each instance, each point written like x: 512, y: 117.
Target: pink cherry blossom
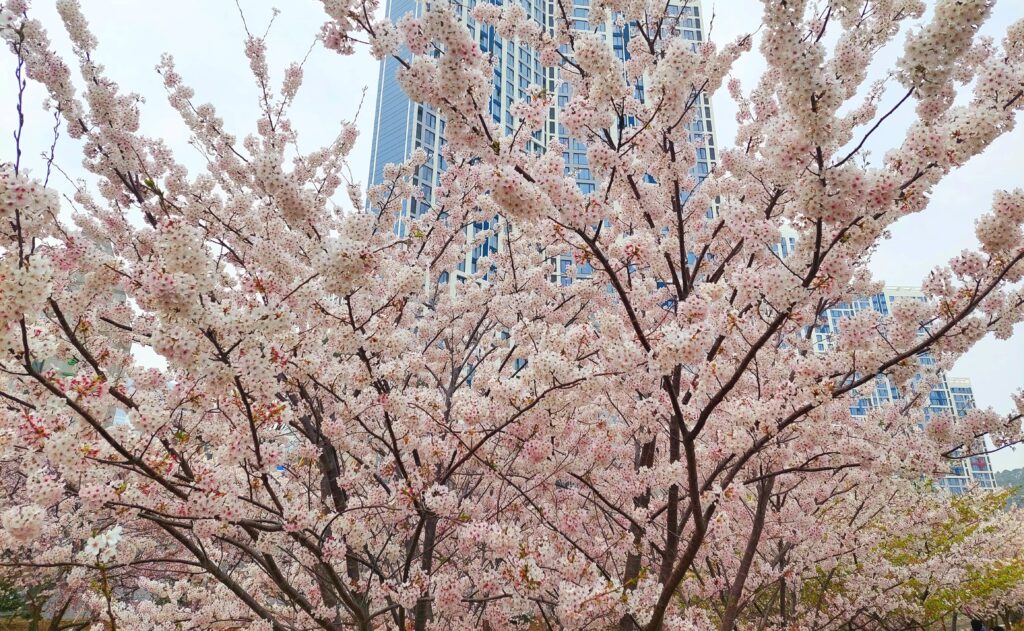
x: 360, y: 421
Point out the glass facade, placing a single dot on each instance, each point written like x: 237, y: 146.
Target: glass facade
x: 402, y: 125
x: 950, y: 396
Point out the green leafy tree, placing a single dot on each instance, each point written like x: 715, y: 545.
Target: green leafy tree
x: 1013, y: 481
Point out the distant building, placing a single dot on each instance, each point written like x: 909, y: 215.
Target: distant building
x: 402, y: 125
x: 950, y: 396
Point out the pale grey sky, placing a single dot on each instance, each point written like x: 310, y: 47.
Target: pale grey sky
x: 206, y: 38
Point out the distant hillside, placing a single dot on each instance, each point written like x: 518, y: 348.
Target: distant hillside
x: 1014, y: 478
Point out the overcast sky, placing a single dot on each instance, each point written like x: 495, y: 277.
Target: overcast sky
x: 206, y: 38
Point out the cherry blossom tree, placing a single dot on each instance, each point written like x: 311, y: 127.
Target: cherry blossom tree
x: 343, y: 439
x: 883, y: 556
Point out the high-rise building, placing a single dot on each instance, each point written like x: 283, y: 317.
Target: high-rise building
x: 402, y: 125
x: 950, y: 396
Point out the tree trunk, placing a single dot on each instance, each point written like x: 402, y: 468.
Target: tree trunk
x: 732, y: 609
x: 645, y: 458
x: 424, y: 610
